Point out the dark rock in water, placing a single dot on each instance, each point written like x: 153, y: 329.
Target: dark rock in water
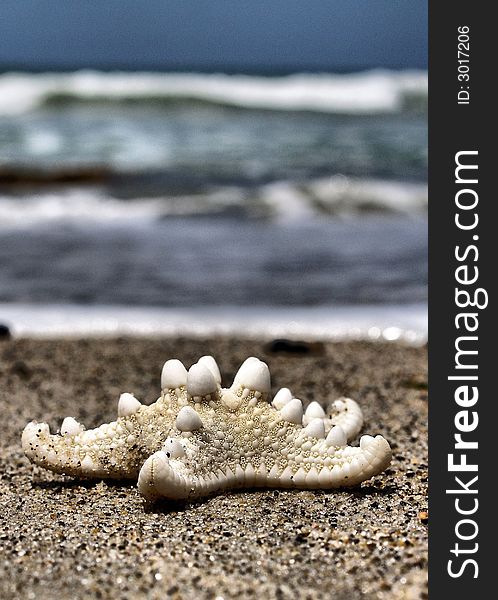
x: 294, y: 347
x: 25, y: 177
x: 4, y: 332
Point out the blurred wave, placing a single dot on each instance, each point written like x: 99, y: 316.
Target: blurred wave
x: 376, y: 91
x: 282, y: 200
x: 193, y: 131
x: 147, y: 189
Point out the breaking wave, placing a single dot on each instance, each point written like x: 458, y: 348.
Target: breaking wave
x: 375, y: 91
x: 337, y: 196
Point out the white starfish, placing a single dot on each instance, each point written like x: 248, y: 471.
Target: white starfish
x: 198, y: 438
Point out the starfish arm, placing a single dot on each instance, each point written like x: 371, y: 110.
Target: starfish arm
x: 163, y: 477
x: 95, y: 453
x: 112, y: 451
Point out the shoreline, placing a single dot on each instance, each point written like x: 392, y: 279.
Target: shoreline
x: 406, y: 323
x: 79, y: 539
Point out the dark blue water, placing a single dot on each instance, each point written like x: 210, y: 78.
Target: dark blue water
x: 194, y: 262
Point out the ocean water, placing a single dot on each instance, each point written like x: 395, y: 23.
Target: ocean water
x: 185, y: 191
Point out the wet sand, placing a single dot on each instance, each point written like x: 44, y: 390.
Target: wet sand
x: 61, y: 538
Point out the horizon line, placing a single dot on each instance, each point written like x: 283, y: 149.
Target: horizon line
x: 263, y: 70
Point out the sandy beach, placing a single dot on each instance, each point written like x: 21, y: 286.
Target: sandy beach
x: 61, y: 538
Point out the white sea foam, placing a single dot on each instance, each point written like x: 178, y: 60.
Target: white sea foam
x: 340, y: 195
x: 406, y: 323
x: 75, y: 206
x: 366, y: 92
x: 284, y: 200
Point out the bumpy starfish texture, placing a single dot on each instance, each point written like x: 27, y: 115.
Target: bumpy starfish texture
x: 199, y: 438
